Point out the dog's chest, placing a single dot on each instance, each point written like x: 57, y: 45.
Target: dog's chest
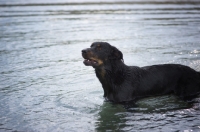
x: 100, y: 73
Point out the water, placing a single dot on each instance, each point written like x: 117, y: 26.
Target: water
x: 44, y: 85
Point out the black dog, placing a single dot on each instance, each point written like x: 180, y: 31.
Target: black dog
x: 122, y: 83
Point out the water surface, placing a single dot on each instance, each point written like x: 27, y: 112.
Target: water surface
x: 44, y: 85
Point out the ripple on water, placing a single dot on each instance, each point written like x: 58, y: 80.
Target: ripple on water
x: 45, y: 87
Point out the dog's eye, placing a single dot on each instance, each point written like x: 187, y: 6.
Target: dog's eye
x: 99, y: 47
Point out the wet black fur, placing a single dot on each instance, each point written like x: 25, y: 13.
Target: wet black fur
x: 122, y: 83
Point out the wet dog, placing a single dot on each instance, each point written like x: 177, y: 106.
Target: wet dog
x: 122, y: 83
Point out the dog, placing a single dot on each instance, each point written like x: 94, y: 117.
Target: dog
x: 122, y: 83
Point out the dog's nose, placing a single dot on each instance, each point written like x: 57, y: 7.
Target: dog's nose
x: 84, y: 51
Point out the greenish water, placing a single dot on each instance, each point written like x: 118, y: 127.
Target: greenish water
x: 44, y: 85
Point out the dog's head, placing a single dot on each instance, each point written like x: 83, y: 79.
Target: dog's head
x: 100, y: 53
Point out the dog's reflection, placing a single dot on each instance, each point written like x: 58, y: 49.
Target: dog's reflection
x: 110, y: 117
x: 119, y: 117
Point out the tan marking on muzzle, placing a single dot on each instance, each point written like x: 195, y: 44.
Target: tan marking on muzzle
x: 100, y: 62
x: 90, y: 53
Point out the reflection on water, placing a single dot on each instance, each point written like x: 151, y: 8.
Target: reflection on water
x: 111, y: 117
x: 45, y: 87
x: 154, y: 114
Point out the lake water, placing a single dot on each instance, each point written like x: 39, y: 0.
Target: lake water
x: 44, y: 85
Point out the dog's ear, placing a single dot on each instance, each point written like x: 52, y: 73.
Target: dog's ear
x: 116, y: 54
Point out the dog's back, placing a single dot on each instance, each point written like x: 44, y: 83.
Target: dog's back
x: 169, y: 78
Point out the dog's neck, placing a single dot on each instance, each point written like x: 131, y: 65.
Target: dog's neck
x: 111, y: 73
x: 115, y: 72
x: 111, y: 68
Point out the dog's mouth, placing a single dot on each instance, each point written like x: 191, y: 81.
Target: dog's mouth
x: 90, y: 62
